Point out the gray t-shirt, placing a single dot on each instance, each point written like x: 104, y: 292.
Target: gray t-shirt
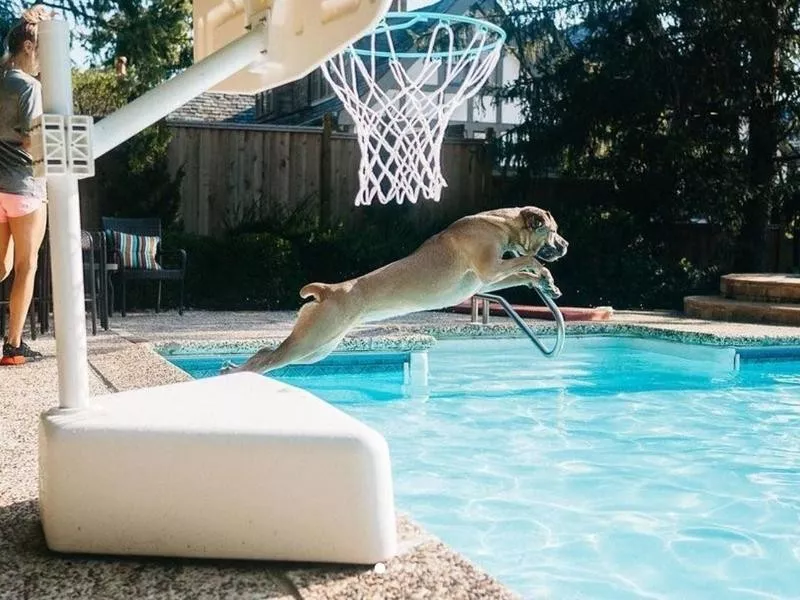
x: 20, y: 104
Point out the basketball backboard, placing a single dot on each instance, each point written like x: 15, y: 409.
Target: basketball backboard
x: 301, y: 34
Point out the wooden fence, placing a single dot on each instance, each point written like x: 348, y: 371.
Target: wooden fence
x: 236, y: 173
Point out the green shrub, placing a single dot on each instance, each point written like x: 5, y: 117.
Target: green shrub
x: 258, y: 271
x: 612, y: 260
x: 265, y: 271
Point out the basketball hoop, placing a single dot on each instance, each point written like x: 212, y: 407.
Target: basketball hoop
x: 401, y: 85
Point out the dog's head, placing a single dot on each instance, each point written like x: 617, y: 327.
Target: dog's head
x: 544, y: 242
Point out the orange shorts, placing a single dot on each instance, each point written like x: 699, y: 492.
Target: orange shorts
x: 15, y: 205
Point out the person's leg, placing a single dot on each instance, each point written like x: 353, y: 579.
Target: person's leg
x: 6, y: 243
x: 6, y: 250
x: 6, y: 262
x: 28, y: 233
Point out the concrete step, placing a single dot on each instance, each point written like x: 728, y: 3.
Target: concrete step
x: 779, y: 288
x: 717, y: 308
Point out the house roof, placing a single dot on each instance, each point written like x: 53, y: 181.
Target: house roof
x: 462, y: 7
x: 309, y: 115
x: 217, y: 107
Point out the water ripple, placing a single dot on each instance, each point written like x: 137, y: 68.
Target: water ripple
x: 612, y: 472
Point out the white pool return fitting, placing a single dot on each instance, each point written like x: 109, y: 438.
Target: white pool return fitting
x: 239, y: 466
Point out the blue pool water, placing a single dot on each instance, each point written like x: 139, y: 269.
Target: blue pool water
x: 622, y: 469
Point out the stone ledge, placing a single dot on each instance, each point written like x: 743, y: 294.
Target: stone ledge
x: 761, y: 287
x: 717, y: 308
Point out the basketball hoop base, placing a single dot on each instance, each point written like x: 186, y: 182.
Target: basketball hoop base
x: 232, y: 467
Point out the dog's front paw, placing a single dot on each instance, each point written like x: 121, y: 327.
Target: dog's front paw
x: 228, y: 367
x: 552, y: 291
x: 548, y: 285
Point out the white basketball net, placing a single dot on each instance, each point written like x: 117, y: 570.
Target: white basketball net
x: 401, y: 99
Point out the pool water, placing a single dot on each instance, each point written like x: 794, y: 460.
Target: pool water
x: 622, y: 469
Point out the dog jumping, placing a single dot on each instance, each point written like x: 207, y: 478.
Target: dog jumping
x: 469, y: 257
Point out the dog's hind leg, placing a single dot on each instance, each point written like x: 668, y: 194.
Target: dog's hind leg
x: 319, y: 328
x: 322, y: 352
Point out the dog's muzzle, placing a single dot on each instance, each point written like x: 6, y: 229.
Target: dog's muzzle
x: 553, y: 249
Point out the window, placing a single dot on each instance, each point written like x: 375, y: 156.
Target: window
x: 318, y: 87
x: 265, y: 105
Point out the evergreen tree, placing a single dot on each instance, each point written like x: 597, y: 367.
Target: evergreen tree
x: 688, y: 108
x: 155, y: 38
x: 7, y: 18
x: 154, y: 35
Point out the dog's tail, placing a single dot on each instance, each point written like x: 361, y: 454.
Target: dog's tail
x: 319, y: 291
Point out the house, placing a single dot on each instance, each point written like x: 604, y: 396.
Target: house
x: 305, y: 102
x: 216, y: 107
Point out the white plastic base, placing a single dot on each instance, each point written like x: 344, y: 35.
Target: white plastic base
x: 238, y: 466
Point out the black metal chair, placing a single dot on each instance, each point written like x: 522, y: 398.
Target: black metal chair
x: 144, y: 227
x: 5, y: 291
x: 106, y: 268
x: 42, y: 303
x: 41, y: 295
x: 91, y: 274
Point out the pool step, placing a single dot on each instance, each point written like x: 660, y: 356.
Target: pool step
x: 717, y: 308
x: 777, y: 288
x: 770, y: 298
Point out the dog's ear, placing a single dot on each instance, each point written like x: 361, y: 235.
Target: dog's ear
x: 533, y: 217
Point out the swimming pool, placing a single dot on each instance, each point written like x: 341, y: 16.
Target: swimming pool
x: 625, y: 468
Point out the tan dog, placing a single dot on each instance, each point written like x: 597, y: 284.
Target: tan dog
x: 464, y: 259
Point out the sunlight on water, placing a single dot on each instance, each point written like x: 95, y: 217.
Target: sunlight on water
x: 612, y: 472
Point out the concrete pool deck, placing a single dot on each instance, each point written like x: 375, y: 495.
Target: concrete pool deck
x: 123, y: 358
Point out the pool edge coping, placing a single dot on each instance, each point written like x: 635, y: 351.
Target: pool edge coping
x: 417, y: 338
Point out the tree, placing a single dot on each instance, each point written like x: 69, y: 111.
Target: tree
x: 98, y: 92
x: 85, y: 12
x: 154, y: 35
x: 7, y: 18
x: 681, y: 105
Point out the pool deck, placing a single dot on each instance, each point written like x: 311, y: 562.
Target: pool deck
x: 123, y: 358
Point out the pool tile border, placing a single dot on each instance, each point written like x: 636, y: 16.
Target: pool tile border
x: 412, y: 338
x: 410, y: 342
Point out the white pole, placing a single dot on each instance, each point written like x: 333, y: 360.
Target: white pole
x: 62, y: 191
x: 65, y: 228
x: 170, y: 95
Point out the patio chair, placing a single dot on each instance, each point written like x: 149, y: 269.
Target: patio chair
x: 106, y: 268
x: 42, y: 303
x: 135, y: 248
x: 5, y: 291
x: 91, y: 277
x: 39, y: 307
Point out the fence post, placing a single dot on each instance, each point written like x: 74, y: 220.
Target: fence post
x: 325, y: 173
x: 489, y: 150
